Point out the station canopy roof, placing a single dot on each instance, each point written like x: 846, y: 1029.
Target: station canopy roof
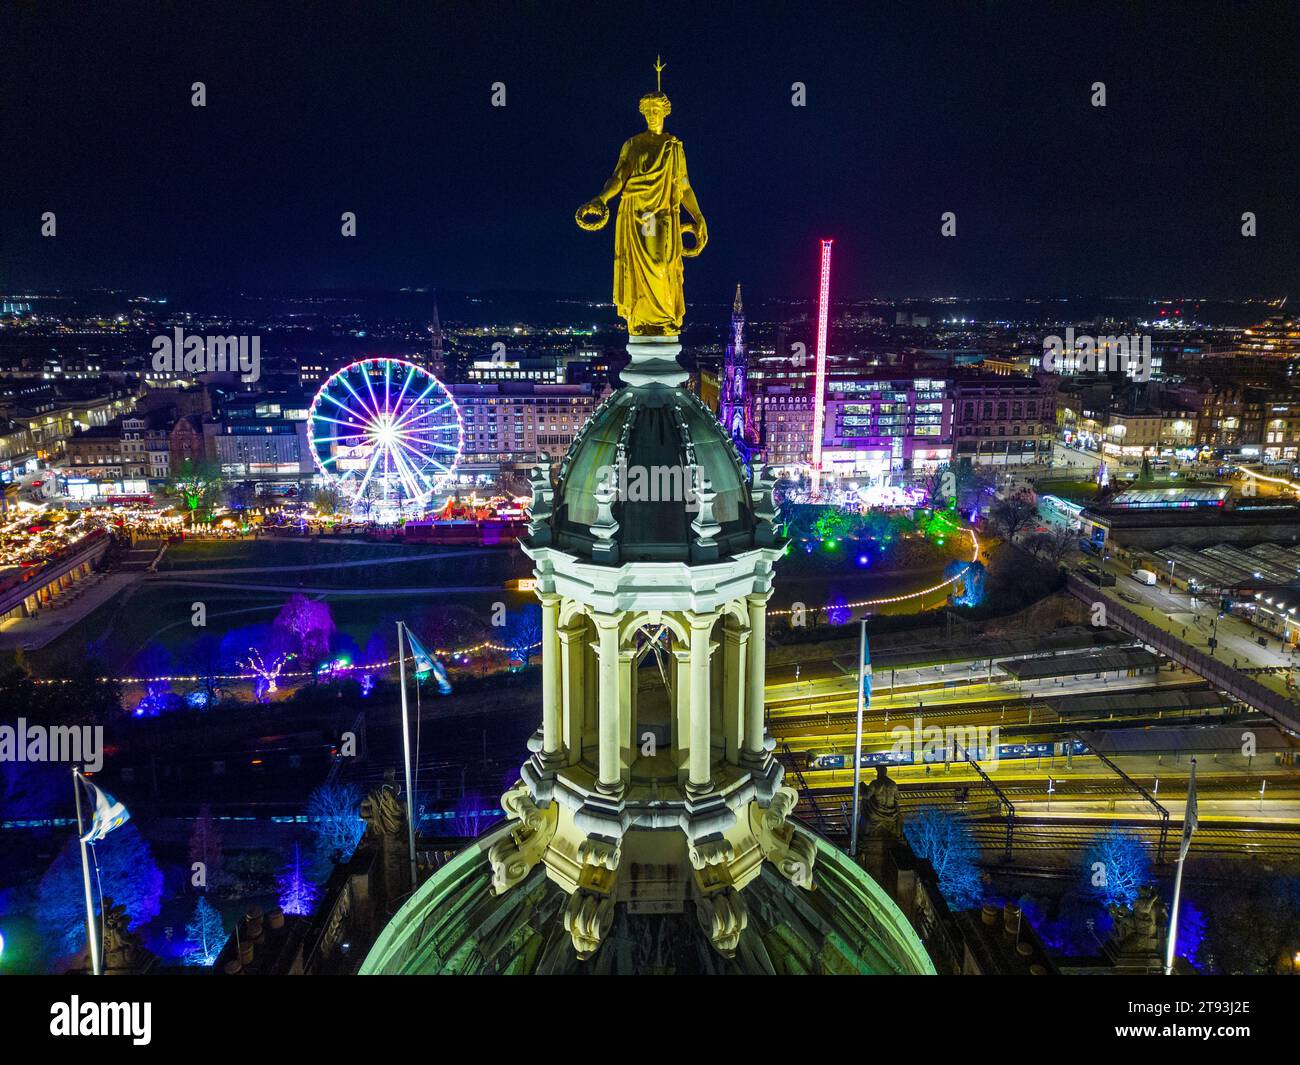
x: 1134, y: 703
x: 1229, y: 566
x: 1190, y: 740
x: 1112, y: 661
x: 905, y: 656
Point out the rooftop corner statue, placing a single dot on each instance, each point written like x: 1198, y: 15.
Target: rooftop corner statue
x: 650, y: 179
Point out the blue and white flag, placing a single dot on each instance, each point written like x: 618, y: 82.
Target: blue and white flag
x: 107, y: 813
x: 1191, y: 817
x: 425, y: 664
x: 866, y: 672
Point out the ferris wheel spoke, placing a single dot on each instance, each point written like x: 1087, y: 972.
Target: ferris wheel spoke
x: 422, y: 457
x: 428, y: 412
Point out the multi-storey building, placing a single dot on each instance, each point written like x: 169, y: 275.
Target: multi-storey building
x: 507, y: 423
x: 878, y: 426
x: 259, y: 449
x: 1232, y: 418
x: 1004, y: 420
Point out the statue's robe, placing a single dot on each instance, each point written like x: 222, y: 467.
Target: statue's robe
x: 648, y: 235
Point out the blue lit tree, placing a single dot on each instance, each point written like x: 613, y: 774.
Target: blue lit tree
x: 205, y: 935
x: 947, y: 843
x: 523, y: 633
x: 298, y: 894
x: 127, y: 874
x: 334, y: 811
x: 969, y: 587
x: 1117, y: 867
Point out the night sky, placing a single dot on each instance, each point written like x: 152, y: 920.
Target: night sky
x: 913, y: 110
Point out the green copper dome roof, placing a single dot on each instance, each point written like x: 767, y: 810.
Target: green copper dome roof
x: 454, y: 924
x: 658, y: 446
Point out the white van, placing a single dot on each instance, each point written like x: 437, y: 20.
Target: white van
x: 1144, y: 576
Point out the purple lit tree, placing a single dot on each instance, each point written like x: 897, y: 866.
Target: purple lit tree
x: 298, y: 894
x: 838, y: 612
x: 309, y: 624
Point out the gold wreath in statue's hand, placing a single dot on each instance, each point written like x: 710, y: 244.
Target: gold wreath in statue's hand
x: 593, y: 214
x: 700, y: 232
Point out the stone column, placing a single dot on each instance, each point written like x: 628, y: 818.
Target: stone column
x: 573, y: 689
x: 627, y: 702
x: 734, y: 668
x: 701, y: 755
x: 610, y: 777
x: 756, y: 673
x: 550, y: 673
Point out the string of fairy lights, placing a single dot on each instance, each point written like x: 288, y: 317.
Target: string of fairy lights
x: 487, y: 645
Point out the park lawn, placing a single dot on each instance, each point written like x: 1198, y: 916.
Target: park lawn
x: 1074, y: 491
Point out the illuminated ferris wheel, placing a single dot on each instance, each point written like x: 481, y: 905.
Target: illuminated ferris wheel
x: 385, y: 432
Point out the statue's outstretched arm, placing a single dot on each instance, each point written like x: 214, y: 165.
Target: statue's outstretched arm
x: 595, y: 212
x: 616, y: 180
x: 699, y: 230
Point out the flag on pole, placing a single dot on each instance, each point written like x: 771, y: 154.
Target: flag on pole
x: 1190, y: 818
x: 106, y: 815
x: 425, y: 663
x: 866, y: 672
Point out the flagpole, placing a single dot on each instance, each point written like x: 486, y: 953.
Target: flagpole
x: 92, y: 939
x: 1183, y: 847
x: 406, y: 755
x: 857, y: 738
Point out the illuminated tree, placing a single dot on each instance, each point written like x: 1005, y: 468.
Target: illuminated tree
x: 947, y: 843
x: 298, y: 894
x: 309, y: 623
x: 838, y: 612
x: 327, y: 500
x: 832, y: 523
x: 205, y: 935
x: 198, y: 485
x: 127, y: 874
x: 334, y: 811
x: 523, y: 635
x: 968, y: 590
x: 1117, y: 867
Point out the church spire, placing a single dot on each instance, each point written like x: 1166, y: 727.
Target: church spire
x: 737, y: 307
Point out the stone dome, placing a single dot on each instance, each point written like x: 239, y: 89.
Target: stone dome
x: 456, y: 925
x: 672, y: 485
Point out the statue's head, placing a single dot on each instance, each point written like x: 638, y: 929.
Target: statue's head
x: 655, y: 107
x: 882, y: 772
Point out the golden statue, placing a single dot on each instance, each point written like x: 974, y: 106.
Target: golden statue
x: 650, y: 176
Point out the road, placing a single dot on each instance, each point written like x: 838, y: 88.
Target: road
x: 1193, y: 620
